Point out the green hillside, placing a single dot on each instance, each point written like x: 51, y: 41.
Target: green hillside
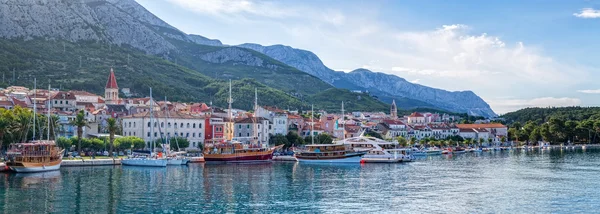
x: 542, y: 115
x: 52, y: 63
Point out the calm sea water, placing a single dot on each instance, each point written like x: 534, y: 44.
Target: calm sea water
x: 556, y: 181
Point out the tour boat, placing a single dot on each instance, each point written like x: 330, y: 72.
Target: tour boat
x: 238, y: 152
x: 34, y: 156
x: 329, y: 153
x: 378, y: 151
x: 458, y: 150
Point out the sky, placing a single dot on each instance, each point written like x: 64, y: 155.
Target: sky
x: 513, y: 54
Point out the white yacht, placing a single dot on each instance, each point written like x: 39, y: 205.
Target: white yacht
x: 379, y: 151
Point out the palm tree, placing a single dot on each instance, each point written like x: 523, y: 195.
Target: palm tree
x: 80, y: 122
x: 5, y: 128
x: 112, y: 129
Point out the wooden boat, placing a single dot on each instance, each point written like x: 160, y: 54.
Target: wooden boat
x: 238, y: 152
x: 35, y: 156
x: 329, y: 153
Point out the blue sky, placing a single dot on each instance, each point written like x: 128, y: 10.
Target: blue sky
x: 513, y: 54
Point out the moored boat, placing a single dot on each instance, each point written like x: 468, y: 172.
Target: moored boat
x: 378, y: 151
x: 238, y: 152
x: 35, y: 156
x: 329, y: 153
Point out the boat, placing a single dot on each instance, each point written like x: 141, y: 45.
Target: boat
x: 447, y: 151
x: 433, y: 151
x: 232, y: 151
x: 329, y: 153
x: 378, y: 151
x: 36, y: 155
x: 418, y: 152
x: 235, y: 151
x: 3, y: 167
x: 143, y: 157
x: 458, y: 150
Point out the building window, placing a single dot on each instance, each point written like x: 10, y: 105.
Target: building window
x: 61, y: 102
x: 194, y: 125
x: 187, y: 134
x: 133, y: 124
x: 247, y: 134
x: 148, y: 134
x: 181, y: 126
x: 155, y: 124
x: 247, y: 126
x: 199, y: 125
x: 193, y: 134
x: 134, y: 133
x: 169, y: 124
x: 155, y: 135
x: 162, y: 124
x: 188, y: 125
x: 56, y: 102
x: 148, y: 124
x: 194, y: 144
x: 67, y: 102
x: 129, y: 124
x: 239, y: 134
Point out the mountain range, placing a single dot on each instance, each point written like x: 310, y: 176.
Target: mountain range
x: 97, y: 34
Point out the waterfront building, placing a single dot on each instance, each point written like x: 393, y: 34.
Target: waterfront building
x: 166, y: 125
x: 416, y: 118
x: 280, y: 121
x: 252, y: 130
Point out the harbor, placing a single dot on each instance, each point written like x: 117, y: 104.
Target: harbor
x: 507, y: 181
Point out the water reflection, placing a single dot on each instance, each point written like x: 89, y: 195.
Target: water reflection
x: 513, y: 181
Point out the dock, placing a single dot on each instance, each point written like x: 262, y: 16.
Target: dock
x: 91, y: 162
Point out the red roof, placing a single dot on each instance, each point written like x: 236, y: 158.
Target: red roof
x: 112, y: 81
x: 416, y: 114
x: 393, y: 122
x: 483, y: 125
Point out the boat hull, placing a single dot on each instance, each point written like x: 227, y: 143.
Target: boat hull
x: 435, y: 152
x: 35, y: 167
x: 381, y: 160
x: 354, y: 158
x: 145, y: 162
x: 175, y: 162
x: 238, y: 157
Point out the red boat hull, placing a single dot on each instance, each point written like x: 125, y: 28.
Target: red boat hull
x: 241, y: 158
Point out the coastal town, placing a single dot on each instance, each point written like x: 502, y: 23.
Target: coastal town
x: 201, y: 123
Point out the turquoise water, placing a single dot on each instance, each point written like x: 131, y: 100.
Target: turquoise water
x: 557, y: 181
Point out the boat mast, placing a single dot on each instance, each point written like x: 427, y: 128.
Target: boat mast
x: 312, y: 124
x: 255, y: 130
x: 229, y: 123
x: 151, y: 124
x: 343, y: 124
x: 48, y: 109
x: 34, y: 105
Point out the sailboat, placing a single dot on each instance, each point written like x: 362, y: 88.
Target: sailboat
x: 338, y: 152
x: 146, y: 158
x: 234, y: 151
x: 35, y: 155
x: 172, y: 158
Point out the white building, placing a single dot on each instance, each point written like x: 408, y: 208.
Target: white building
x: 244, y: 130
x: 280, y: 124
x: 173, y: 124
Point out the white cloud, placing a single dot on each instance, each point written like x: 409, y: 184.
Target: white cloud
x: 449, y: 56
x: 588, y: 13
x: 589, y: 91
x: 507, y: 105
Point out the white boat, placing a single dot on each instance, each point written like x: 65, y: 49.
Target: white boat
x: 144, y: 161
x: 419, y: 152
x: 328, y: 153
x: 378, y: 151
x: 433, y: 151
x: 146, y: 158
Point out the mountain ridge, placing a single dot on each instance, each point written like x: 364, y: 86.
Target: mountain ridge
x: 377, y: 83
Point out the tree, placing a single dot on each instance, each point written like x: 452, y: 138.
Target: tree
x: 112, y: 129
x: 413, y: 140
x: 480, y: 141
x: 63, y: 142
x: 320, y: 139
x: 294, y: 139
x: 80, y: 122
x: 280, y: 139
x: 503, y: 139
x: 5, y: 129
x: 374, y: 134
x: 402, y: 141
x: 178, y: 143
